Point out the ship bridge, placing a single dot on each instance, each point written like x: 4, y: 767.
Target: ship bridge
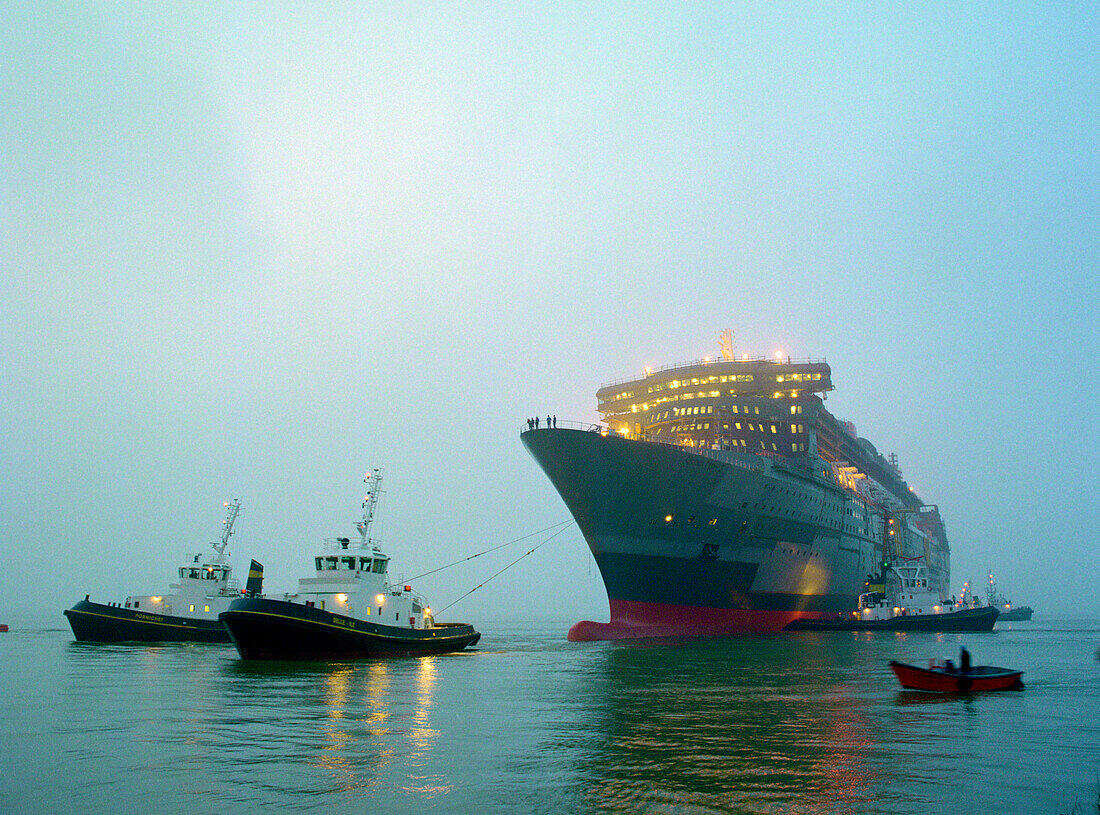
x: 758, y: 405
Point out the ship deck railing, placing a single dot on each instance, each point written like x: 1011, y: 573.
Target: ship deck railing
x: 693, y: 363
x: 565, y: 424
x: 715, y: 453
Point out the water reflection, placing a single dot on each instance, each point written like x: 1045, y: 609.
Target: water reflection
x: 754, y: 725
x: 425, y: 779
x: 346, y: 727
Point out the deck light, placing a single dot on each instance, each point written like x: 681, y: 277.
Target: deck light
x: 381, y: 599
x: 341, y: 598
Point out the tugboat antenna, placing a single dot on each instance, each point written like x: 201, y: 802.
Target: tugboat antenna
x: 373, y: 480
x: 232, y: 509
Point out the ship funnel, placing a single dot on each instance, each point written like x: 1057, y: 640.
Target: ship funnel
x: 254, y: 586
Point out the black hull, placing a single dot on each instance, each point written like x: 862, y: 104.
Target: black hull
x: 692, y: 542
x: 971, y: 619
x: 275, y: 629
x: 96, y: 622
x: 1017, y: 614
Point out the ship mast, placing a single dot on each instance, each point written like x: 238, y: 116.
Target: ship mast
x: 233, y: 509
x: 373, y: 480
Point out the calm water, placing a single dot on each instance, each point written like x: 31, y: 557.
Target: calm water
x: 529, y: 723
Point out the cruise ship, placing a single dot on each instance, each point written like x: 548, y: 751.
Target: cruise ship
x: 720, y: 496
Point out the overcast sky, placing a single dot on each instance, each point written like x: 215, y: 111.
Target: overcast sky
x: 252, y: 250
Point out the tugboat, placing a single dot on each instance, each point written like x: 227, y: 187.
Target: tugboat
x: 945, y: 677
x: 348, y: 609
x: 1009, y: 612
x: 187, y: 613
x: 911, y: 605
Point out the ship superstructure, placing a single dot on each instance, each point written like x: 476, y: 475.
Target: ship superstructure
x: 721, y: 495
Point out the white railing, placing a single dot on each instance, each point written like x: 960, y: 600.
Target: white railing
x: 694, y: 363
x: 564, y: 424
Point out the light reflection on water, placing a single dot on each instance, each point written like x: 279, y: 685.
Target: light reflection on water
x: 701, y: 725
x: 795, y: 723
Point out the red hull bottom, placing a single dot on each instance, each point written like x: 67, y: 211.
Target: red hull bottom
x: 634, y: 620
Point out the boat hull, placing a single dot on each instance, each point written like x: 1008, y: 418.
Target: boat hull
x: 1018, y: 614
x: 697, y: 544
x: 941, y: 680
x: 97, y: 622
x: 970, y: 619
x: 279, y: 630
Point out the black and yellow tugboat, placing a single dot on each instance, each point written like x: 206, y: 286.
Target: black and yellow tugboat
x: 346, y: 610
x: 187, y: 612
x: 903, y: 600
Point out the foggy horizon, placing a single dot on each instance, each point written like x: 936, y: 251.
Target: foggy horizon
x: 253, y: 252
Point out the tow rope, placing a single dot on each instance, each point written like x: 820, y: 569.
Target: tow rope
x: 563, y: 526
x: 494, y: 548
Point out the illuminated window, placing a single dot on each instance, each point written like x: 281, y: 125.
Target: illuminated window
x: 192, y: 608
x: 206, y: 608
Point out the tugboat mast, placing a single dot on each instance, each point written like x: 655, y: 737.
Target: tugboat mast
x: 373, y: 480
x: 233, y: 509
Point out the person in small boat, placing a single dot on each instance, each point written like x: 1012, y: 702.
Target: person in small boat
x: 964, y: 660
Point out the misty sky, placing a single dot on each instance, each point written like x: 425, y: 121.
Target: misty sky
x: 252, y: 250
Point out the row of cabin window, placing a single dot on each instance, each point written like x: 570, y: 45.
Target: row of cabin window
x: 201, y: 574
x: 709, y: 409
x: 699, y: 380
x: 796, y: 446
x: 366, y: 564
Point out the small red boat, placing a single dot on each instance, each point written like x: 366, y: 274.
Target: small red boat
x: 946, y: 678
